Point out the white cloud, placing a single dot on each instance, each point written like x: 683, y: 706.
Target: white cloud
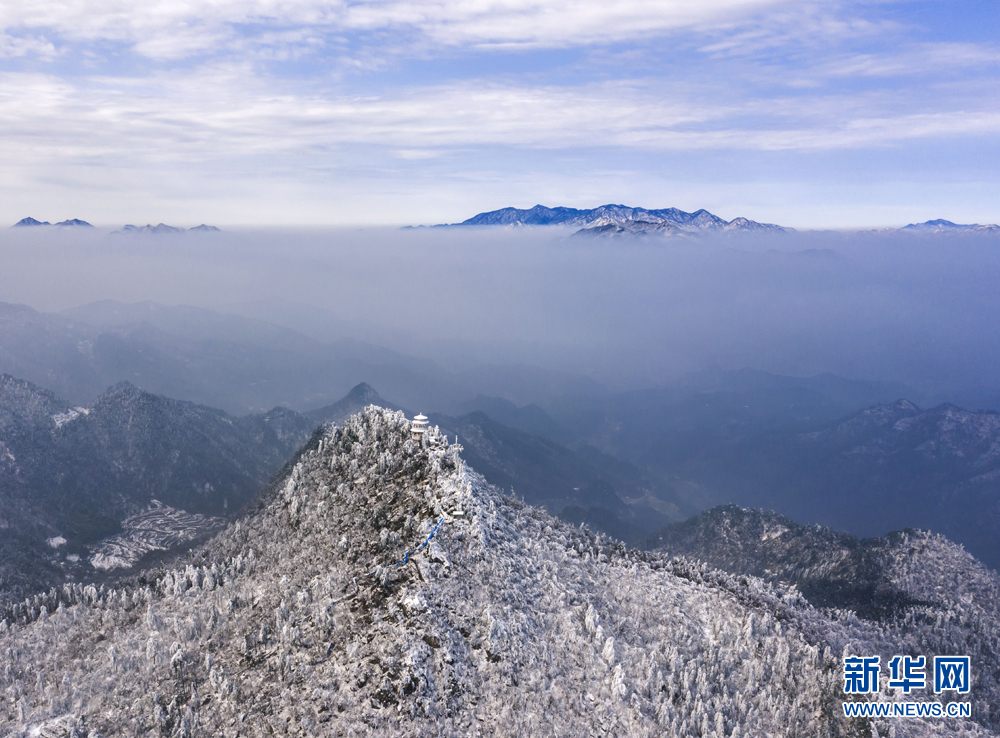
x: 171, y: 29
x: 184, y: 41
x: 17, y: 46
x: 546, y: 23
x: 915, y: 59
x: 224, y: 113
x: 810, y: 25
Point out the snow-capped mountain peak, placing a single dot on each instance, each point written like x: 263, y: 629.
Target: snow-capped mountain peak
x: 626, y: 217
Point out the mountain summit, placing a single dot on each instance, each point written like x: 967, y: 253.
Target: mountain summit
x: 360, y: 396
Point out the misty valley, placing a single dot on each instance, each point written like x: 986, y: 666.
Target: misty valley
x: 544, y: 472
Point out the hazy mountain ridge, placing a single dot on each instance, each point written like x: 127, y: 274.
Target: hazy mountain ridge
x: 161, y: 229
x: 239, y: 364
x: 578, y: 485
x: 726, y: 403
x: 509, y: 622
x: 76, y: 473
x: 795, y: 445
x: 619, y: 219
x: 937, y: 468
x: 226, y: 361
x: 530, y: 418
x: 946, y: 226
x: 360, y: 397
x: 72, y: 222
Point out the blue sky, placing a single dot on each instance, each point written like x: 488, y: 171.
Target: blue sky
x: 808, y: 114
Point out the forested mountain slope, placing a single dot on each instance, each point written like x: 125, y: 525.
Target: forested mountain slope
x: 133, y: 473
x: 927, y: 593
x: 297, y: 621
x: 70, y: 475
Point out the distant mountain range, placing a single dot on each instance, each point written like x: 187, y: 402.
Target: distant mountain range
x: 604, y: 221
x: 946, y: 226
x: 843, y: 453
x: 73, y: 222
x: 883, y: 468
x: 27, y: 222
x: 161, y: 228
x: 615, y: 220
x: 238, y: 364
x: 611, y: 221
x: 938, y: 227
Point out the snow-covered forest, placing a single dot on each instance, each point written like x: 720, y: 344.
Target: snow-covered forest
x: 297, y: 620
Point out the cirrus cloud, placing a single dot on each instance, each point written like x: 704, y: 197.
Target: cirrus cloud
x: 171, y: 30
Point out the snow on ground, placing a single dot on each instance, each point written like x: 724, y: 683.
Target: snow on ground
x: 297, y: 621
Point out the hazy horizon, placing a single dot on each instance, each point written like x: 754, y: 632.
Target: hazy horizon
x: 628, y: 313
x: 110, y: 227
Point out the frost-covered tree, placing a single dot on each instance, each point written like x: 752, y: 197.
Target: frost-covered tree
x: 381, y: 587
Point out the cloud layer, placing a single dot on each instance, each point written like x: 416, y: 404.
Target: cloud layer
x: 169, y: 29
x: 95, y: 92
